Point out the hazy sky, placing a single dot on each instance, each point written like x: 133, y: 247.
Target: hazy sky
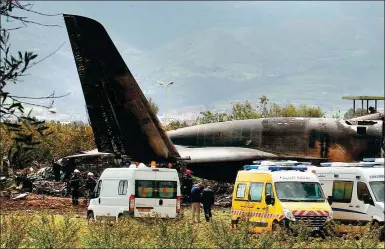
x: 140, y: 27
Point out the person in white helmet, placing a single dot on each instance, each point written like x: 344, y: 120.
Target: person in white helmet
x: 90, y: 185
x: 75, y: 185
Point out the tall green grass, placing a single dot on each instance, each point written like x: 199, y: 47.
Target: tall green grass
x: 45, y: 230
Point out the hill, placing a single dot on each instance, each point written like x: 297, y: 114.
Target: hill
x: 310, y: 60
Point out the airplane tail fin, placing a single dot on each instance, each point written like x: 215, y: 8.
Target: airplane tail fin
x: 119, y: 112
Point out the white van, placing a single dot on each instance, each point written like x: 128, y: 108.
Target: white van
x: 356, y: 190
x: 137, y: 192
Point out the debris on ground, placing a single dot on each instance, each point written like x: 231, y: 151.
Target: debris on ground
x: 223, y: 191
x: 20, y: 196
x: 33, y: 202
x: 49, y: 188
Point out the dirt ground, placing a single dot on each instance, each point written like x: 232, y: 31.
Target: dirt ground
x: 33, y: 202
x: 63, y: 205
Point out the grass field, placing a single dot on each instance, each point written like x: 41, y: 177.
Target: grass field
x: 44, y: 230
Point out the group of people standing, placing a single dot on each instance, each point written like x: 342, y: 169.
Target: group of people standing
x: 75, y: 184
x: 205, y: 195
x: 197, y: 194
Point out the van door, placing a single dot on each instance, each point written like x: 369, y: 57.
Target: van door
x: 144, y: 197
x: 361, y: 209
x: 256, y: 205
x: 95, y: 202
x: 342, y: 195
x: 166, y: 194
x: 108, y: 200
x: 240, y: 199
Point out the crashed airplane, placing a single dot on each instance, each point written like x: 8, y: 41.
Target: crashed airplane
x: 124, y: 124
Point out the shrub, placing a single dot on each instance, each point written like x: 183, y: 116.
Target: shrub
x: 53, y: 231
x: 171, y: 235
x: 126, y: 232
x: 13, y: 230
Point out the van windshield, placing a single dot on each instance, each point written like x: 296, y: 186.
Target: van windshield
x: 378, y: 189
x: 299, y: 191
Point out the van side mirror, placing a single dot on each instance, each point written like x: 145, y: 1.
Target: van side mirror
x: 269, y: 200
x: 330, y: 200
x: 367, y: 199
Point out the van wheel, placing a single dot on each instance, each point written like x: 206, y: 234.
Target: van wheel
x: 377, y: 225
x: 120, y: 216
x: 382, y: 234
x: 274, y: 226
x: 90, y: 216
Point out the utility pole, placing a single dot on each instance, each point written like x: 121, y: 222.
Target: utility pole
x: 166, y: 88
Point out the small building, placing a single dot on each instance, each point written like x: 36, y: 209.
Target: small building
x: 367, y: 99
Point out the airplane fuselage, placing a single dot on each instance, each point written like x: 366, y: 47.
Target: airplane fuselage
x: 331, y: 139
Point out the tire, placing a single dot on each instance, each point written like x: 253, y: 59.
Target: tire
x: 382, y: 235
x: 274, y: 226
x: 377, y: 225
x: 90, y: 216
x: 120, y: 217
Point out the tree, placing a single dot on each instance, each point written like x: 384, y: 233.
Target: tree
x: 175, y: 124
x: 65, y: 140
x: 25, y: 131
x: 241, y: 111
x: 293, y: 111
x: 350, y: 113
x: 245, y: 111
x: 263, y: 101
x: 209, y: 117
x: 154, y: 106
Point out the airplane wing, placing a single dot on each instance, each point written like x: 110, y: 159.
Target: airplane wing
x: 221, y: 154
x: 223, y: 163
x: 120, y: 114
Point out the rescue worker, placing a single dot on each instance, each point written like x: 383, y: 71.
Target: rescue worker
x: 372, y: 110
x: 69, y: 167
x: 75, y: 185
x: 196, y: 192
x: 187, y: 183
x: 208, y: 202
x: 90, y: 185
x: 56, y: 170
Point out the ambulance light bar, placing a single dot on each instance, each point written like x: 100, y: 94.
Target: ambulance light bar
x: 249, y: 167
x: 368, y: 164
x: 282, y: 163
x: 356, y: 164
x: 374, y: 160
x: 278, y: 168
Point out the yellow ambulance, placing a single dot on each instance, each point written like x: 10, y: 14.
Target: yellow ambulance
x: 278, y: 195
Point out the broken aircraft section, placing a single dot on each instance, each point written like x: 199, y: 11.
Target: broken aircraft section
x: 124, y: 124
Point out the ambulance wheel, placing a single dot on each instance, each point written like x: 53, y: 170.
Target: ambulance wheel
x: 275, y: 226
x: 382, y: 234
x: 90, y: 216
x: 377, y: 225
